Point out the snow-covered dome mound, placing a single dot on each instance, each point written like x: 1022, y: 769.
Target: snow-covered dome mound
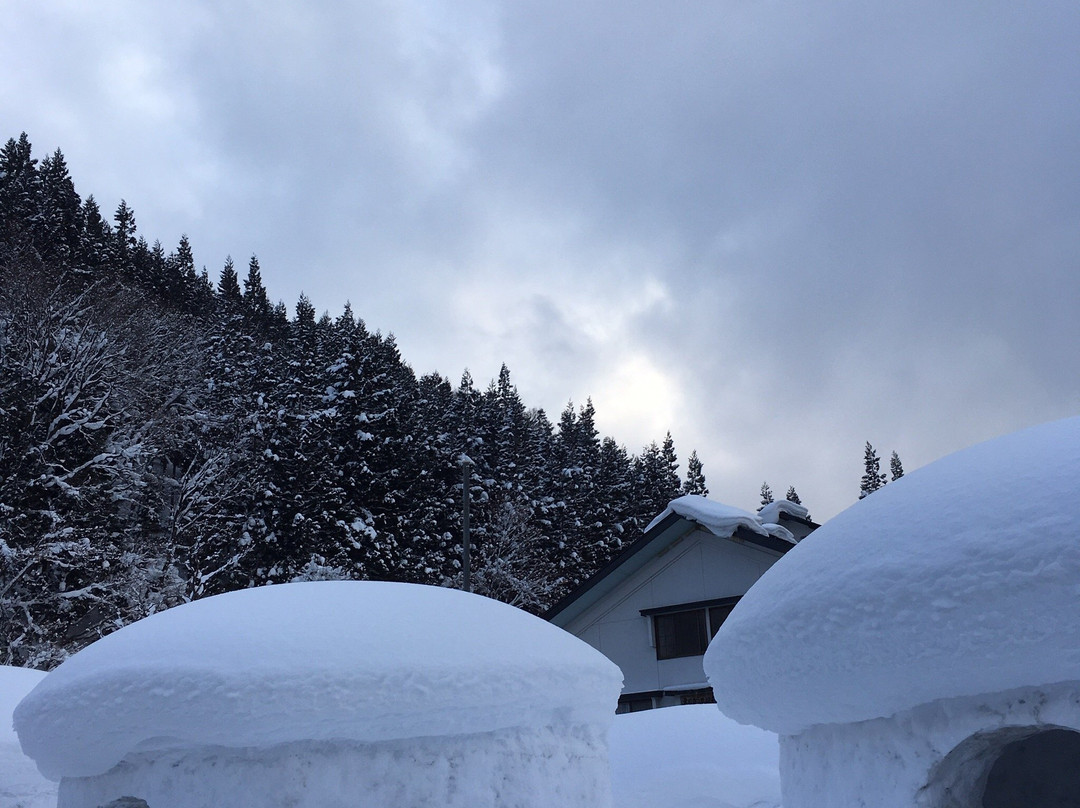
x: 21, y: 785
x: 15, y: 683
x: 326, y: 661
x: 959, y: 579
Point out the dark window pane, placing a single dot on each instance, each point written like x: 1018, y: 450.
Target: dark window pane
x: 717, y: 615
x: 680, y: 634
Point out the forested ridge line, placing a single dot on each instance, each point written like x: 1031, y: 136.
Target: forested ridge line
x: 165, y: 436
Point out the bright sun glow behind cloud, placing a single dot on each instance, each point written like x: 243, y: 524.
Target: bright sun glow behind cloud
x: 637, y: 400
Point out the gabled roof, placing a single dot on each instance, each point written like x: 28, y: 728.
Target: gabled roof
x: 679, y: 518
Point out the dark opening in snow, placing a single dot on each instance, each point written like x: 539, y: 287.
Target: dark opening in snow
x: 1040, y: 770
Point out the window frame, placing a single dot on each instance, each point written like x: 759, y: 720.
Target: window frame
x: 705, y: 610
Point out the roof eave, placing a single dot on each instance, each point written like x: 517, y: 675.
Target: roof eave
x: 662, y: 535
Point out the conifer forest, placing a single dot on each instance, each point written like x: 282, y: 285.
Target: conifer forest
x: 168, y: 434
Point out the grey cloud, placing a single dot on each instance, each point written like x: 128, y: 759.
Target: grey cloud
x: 866, y: 219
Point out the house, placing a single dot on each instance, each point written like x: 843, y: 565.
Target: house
x: 653, y: 609
x: 923, y: 650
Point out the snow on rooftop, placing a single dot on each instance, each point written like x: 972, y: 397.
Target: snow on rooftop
x: 961, y: 578
x: 772, y: 512
x: 343, y: 660
x: 723, y: 520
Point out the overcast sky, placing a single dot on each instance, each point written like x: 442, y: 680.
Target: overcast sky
x: 777, y: 229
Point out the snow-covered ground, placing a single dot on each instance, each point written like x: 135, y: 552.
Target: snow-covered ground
x: 678, y: 757
x: 692, y: 757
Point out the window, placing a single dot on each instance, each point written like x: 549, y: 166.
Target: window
x: 680, y: 634
x: 717, y: 616
x: 633, y: 704
x: 703, y: 696
x: 687, y: 632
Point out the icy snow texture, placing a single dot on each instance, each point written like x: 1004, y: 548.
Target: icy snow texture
x: 21, y: 786
x: 342, y: 660
x: 531, y: 768
x: 720, y: 519
x: 958, y: 579
x: 692, y: 757
x: 934, y: 755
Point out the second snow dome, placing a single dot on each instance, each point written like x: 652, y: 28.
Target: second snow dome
x: 959, y: 579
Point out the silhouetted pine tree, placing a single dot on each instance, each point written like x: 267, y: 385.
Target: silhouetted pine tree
x: 896, y: 467
x: 256, y: 303
x: 872, y: 478
x: 20, y: 199
x: 95, y: 243
x: 124, y: 238
x: 229, y: 286
x: 60, y: 229
x: 695, y: 477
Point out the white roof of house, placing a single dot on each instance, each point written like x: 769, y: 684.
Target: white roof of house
x: 723, y: 520
x: 959, y: 579
x: 341, y: 660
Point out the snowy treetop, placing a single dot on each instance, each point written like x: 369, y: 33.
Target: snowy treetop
x: 343, y: 660
x: 723, y: 520
x: 956, y: 580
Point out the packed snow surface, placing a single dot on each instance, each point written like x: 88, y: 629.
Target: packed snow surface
x: 21, y: 785
x: 525, y: 768
x: 317, y: 661
x: 720, y: 519
x: 692, y: 757
x: 937, y: 754
x: 958, y: 579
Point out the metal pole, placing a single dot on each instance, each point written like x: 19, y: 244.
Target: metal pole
x: 466, y: 550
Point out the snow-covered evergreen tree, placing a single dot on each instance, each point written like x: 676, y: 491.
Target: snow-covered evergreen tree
x: 766, y: 495
x: 162, y: 441
x: 60, y: 223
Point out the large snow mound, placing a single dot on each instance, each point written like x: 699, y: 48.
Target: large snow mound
x: 21, y: 786
x: 959, y: 579
x: 342, y: 660
x: 723, y: 520
x: 692, y: 757
x: 15, y: 683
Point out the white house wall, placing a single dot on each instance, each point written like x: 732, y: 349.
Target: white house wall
x: 698, y: 567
